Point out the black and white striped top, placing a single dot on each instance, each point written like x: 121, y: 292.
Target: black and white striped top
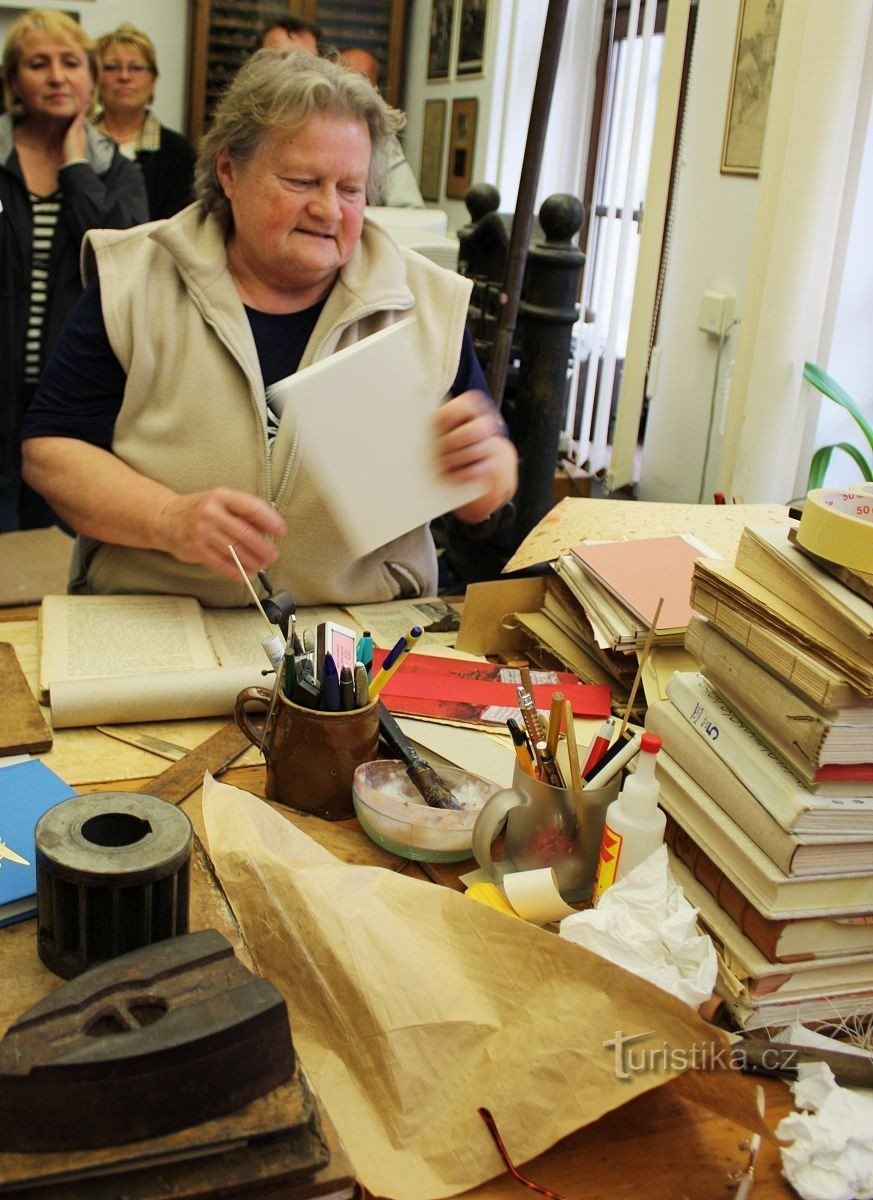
x: 46, y: 210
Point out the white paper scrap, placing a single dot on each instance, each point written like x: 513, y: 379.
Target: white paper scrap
x: 831, y: 1151
x: 644, y: 924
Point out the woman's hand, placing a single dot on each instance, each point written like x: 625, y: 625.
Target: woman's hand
x: 75, y: 143
x: 200, y: 526
x: 472, y: 445
x: 102, y: 497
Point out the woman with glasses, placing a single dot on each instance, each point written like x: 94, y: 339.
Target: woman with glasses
x: 128, y: 71
x: 58, y: 178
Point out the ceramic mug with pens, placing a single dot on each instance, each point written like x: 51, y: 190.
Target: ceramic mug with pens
x: 545, y: 826
x: 311, y: 754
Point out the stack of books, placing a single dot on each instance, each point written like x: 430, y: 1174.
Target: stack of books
x: 600, y: 606
x: 767, y: 780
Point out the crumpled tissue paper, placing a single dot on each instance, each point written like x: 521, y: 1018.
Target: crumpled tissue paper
x: 644, y: 924
x: 831, y: 1151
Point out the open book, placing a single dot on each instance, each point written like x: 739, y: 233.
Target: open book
x: 146, y: 658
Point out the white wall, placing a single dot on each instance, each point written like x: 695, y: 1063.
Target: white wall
x: 505, y: 92
x: 710, y: 244
x: 166, y: 23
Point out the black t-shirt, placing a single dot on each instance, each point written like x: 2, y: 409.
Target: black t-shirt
x: 82, y: 385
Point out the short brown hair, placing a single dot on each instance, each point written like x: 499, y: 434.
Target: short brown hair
x: 279, y: 92
x: 60, y: 26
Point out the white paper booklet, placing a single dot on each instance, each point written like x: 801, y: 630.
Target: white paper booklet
x: 365, y: 420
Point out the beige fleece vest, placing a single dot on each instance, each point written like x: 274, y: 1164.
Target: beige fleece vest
x: 193, y: 414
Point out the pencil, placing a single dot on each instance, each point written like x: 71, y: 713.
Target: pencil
x: 556, y: 713
x: 572, y: 747
x: 636, y: 683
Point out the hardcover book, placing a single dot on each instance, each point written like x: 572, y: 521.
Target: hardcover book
x: 27, y: 790
x: 747, y: 867
x: 798, y: 807
x: 796, y: 854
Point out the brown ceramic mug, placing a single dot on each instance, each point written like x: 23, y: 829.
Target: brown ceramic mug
x: 311, y: 755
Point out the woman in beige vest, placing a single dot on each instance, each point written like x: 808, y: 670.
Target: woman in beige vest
x: 167, y: 455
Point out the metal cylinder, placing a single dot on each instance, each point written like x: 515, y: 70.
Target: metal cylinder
x: 112, y: 874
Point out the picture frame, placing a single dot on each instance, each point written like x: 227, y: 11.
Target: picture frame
x: 462, y: 143
x: 440, y: 45
x: 432, y: 139
x: 751, y: 82
x: 471, y: 38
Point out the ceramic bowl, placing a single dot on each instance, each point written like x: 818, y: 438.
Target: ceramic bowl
x: 395, y: 816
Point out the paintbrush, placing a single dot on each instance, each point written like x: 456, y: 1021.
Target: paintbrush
x: 422, y: 774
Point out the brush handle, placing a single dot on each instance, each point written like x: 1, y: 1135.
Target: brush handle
x: 422, y: 774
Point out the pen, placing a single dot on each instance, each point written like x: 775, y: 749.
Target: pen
x: 610, y: 769
x: 551, y: 770
x: 364, y: 651
x: 362, y: 686
x: 290, y: 680
x: 330, y: 685
x: 532, y: 721
x: 346, y: 689
x: 522, y: 750
x: 395, y: 657
x: 600, y: 745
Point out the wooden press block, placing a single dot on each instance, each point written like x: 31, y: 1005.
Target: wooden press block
x: 22, y: 728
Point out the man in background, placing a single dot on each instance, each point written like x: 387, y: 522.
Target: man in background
x: 291, y: 33
x: 401, y: 186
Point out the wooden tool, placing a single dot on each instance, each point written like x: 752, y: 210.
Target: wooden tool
x: 22, y: 728
x: 185, y: 776
x: 202, y: 1036
x: 422, y: 774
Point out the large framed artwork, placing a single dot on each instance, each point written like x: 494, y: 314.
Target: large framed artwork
x: 462, y: 142
x: 432, y: 139
x: 751, y: 81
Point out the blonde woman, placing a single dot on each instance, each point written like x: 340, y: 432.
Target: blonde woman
x: 58, y: 178
x: 129, y: 71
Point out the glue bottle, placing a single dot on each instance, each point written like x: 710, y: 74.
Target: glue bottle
x: 634, y: 825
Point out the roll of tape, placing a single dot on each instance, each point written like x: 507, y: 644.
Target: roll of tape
x: 534, y: 895
x: 838, y: 526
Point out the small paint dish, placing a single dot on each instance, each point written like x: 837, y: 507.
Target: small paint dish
x: 393, y: 813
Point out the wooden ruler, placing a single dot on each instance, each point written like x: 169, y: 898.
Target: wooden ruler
x: 185, y: 776
x: 22, y: 728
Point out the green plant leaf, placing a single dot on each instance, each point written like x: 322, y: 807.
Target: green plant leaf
x: 829, y: 387
x: 821, y: 460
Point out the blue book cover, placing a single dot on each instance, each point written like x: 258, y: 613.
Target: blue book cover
x: 27, y: 790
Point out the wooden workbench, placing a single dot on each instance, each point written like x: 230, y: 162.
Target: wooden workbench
x: 660, y: 1145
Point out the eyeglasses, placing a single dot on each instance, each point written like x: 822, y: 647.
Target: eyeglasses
x: 131, y: 68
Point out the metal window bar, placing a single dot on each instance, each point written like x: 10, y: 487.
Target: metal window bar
x: 623, y: 149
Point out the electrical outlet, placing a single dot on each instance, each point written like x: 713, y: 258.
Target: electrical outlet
x: 716, y: 312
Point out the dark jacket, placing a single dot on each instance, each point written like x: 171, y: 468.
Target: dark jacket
x: 106, y: 192
x: 169, y: 174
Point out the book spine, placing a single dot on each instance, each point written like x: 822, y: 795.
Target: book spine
x: 720, y: 784
x: 762, y: 700
x: 753, y: 762
x: 770, y: 650
x: 758, y: 928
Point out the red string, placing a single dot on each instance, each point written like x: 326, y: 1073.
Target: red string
x: 510, y: 1166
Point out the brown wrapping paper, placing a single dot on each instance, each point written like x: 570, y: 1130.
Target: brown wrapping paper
x: 412, y: 1006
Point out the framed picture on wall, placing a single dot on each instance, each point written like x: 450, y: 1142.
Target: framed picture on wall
x: 751, y: 81
x: 433, y: 135
x: 462, y: 143
x: 440, y: 45
x: 471, y: 40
